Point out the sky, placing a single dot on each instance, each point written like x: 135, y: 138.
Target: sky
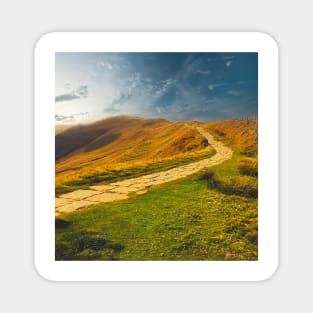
x: 175, y: 86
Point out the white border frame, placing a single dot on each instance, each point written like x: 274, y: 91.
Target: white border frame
x: 44, y: 156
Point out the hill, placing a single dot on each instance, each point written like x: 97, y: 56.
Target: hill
x: 241, y: 134
x: 121, y: 143
x: 210, y: 215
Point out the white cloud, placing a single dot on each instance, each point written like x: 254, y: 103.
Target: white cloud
x: 92, y: 74
x: 109, y: 66
x: 158, y: 109
x: 205, y: 72
x: 68, y: 86
x: 104, y: 65
x: 79, y: 93
x: 211, y: 87
x: 165, y: 86
x: 234, y: 92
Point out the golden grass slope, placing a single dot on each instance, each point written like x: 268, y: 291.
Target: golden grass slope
x: 122, y: 142
x: 242, y: 134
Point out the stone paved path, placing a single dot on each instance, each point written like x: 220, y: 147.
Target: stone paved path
x: 79, y: 199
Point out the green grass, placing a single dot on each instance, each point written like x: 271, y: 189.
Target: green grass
x: 62, y: 189
x: 180, y: 220
x: 118, y: 175
x: 248, y: 166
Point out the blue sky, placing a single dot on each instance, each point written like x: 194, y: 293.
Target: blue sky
x: 175, y: 86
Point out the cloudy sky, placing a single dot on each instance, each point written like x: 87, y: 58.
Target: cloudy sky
x: 176, y: 86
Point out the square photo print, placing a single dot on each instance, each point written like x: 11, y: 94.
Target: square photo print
x: 156, y: 156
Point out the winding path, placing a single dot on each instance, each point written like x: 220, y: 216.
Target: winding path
x: 79, y: 199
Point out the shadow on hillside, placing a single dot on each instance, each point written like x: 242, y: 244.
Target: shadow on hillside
x: 86, y: 246
x: 61, y: 224
x: 239, y: 186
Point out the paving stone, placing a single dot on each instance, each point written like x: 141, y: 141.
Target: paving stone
x: 125, y: 183
x: 61, y: 201
x: 125, y: 190
x: 79, y: 194
x: 142, y: 185
x: 107, y: 197
x: 102, y: 187
x: 74, y: 206
x: 141, y: 192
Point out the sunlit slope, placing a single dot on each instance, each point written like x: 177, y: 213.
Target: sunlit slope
x: 122, y: 142
x: 241, y: 134
x: 61, y: 128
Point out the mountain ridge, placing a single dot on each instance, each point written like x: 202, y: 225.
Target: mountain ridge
x: 123, y: 142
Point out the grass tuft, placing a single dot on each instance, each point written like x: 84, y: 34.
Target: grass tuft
x: 248, y: 166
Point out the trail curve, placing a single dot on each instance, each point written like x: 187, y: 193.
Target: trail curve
x: 82, y: 198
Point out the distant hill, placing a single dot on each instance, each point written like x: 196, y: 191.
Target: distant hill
x: 243, y: 134
x: 121, y: 142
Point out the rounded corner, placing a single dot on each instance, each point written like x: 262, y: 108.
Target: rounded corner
x: 271, y: 273
x: 42, y: 40
x: 39, y: 266
x: 270, y: 39
x: 41, y: 273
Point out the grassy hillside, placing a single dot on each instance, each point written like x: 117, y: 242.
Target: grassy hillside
x: 59, y: 128
x: 211, y: 215
x: 124, y: 147
x: 242, y: 134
